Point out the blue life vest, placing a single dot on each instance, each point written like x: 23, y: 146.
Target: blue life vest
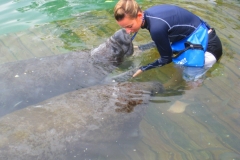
x: 190, y: 51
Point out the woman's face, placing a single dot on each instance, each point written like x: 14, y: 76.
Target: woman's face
x: 131, y: 25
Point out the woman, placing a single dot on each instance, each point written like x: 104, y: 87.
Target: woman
x: 168, y: 25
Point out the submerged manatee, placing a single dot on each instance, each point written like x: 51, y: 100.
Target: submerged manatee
x: 28, y: 82
x: 79, y: 124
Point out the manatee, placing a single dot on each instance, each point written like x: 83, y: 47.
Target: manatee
x: 82, y: 124
x: 28, y: 82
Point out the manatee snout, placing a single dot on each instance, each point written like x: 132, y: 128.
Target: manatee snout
x: 153, y: 87
x: 124, y: 40
x: 157, y: 87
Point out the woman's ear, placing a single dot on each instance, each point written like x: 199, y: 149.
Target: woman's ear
x: 140, y: 14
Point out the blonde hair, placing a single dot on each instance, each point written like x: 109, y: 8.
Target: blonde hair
x: 126, y: 7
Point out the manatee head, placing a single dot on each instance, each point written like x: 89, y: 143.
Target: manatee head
x: 114, y: 49
x: 124, y: 40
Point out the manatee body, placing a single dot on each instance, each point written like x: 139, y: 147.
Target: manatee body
x: 82, y: 124
x: 28, y: 82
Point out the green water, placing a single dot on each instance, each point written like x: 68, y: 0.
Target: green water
x: 208, y: 128
x: 19, y: 15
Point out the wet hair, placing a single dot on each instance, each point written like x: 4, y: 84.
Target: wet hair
x: 126, y: 7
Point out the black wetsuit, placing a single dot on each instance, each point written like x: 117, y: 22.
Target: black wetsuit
x: 168, y: 24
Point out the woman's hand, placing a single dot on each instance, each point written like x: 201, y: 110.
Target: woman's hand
x: 137, y: 73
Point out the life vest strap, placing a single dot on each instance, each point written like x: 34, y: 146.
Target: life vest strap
x: 188, y: 45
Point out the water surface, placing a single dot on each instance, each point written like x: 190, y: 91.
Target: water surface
x: 209, y: 126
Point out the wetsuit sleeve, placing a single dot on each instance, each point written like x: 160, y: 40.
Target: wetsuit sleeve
x: 160, y: 37
x: 158, y: 63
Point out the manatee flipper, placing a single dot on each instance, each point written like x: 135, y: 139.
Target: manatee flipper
x: 122, y: 77
x: 147, y: 46
x: 141, y: 48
